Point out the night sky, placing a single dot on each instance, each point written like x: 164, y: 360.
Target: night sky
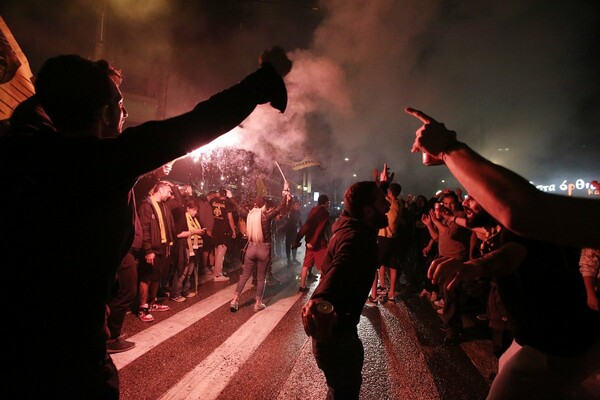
x: 519, y: 80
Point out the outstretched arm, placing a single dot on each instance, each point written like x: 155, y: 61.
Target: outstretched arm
x: 508, y: 197
x: 151, y: 144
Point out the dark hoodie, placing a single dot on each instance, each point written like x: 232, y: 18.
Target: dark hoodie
x: 348, y: 270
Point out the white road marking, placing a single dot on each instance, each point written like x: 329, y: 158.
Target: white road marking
x: 208, y: 379
x: 158, y: 333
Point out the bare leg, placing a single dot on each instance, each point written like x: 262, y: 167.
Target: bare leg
x: 303, y: 275
x: 143, y: 294
x: 152, y: 290
x: 393, y: 279
x: 219, y: 259
x: 382, y: 282
x: 374, y: 286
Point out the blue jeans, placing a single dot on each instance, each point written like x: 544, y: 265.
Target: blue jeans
x: 180, y: 285
x: 258, y: 255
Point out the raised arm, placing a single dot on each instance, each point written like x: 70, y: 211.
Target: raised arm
x: 507, y: 196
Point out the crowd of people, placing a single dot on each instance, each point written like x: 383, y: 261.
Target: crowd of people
x: 184, y: 234
x: 116, y: 227
x: 495, y: 244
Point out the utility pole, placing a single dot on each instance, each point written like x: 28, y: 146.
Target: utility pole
x: 100, y: 50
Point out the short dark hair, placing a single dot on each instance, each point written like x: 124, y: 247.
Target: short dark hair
x: 359, y: 195
x: 259, y: 201
x: 322, y: 199
x: 72, y: 90
x: 191, y: 204
x: 223, y: 192
x: 395, y: 188
x: 450, y: 194
x: 159, y: 185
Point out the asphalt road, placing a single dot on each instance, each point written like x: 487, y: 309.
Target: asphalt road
x: 200, y: 350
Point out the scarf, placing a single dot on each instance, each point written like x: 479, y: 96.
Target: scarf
x: 161, y: 223
x: 194, y: 241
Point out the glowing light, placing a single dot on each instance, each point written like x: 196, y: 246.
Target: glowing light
x: 346, y: 159
x: 230, y: 139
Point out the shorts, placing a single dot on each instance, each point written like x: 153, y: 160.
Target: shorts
x: 221, y: 234
x: 314, y: 257
x: 208, y: 243
x: 387, y: 251
x: 154, y: 273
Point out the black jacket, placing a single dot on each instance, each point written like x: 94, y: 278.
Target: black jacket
x: 348, y: 270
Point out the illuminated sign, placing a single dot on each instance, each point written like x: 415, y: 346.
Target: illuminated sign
x: 577, y: 187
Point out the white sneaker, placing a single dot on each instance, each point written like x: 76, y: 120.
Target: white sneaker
x: 221, y: 278
x: 158, y: 307
x: 259, y: 307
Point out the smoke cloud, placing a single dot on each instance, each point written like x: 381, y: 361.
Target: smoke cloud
x: 518, y: 80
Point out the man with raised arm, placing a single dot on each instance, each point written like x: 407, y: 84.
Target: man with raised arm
x: 69, y: 172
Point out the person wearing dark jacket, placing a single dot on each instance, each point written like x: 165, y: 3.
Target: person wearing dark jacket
x: 348, y: 271
x: 293, y: 222
x: 158, y: 233
x: 67, y: 140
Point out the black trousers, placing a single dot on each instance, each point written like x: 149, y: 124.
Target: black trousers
x: 123, y: 294
x: 341, y: 360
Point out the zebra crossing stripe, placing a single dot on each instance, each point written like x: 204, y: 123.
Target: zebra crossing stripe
x: 208, y: 379
x: 158, y: 333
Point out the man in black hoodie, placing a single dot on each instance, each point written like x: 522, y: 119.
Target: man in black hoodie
x: 70, y: 171
x: 348, y: 271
